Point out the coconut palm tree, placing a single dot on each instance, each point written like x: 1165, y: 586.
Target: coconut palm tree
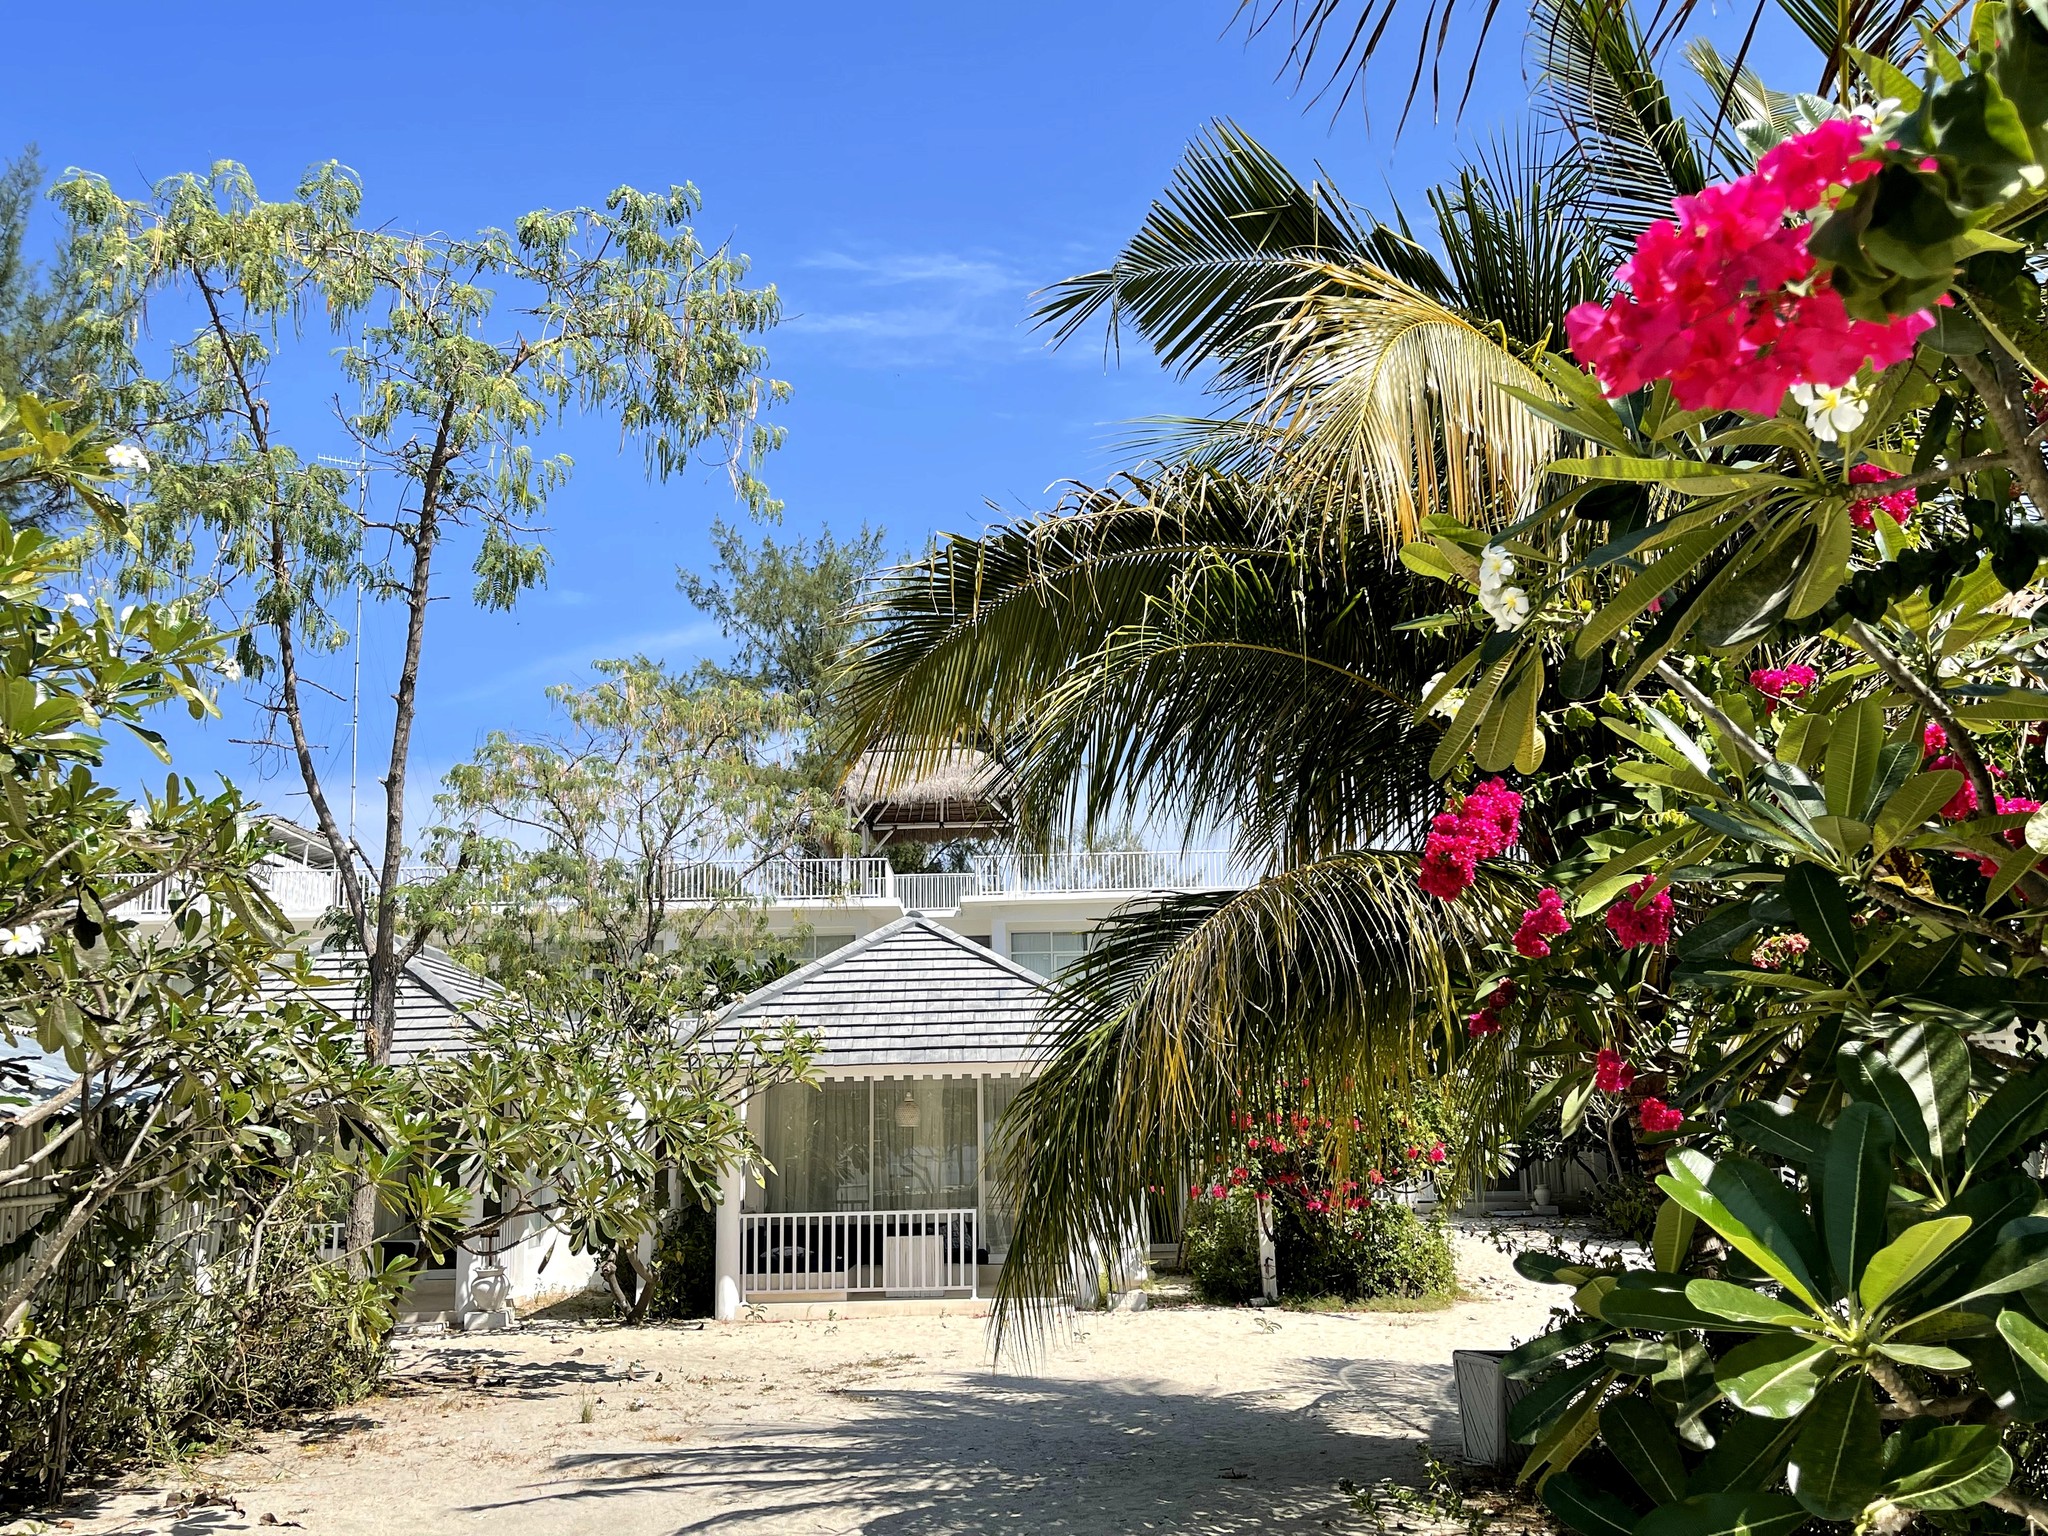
x: 1228, y: 639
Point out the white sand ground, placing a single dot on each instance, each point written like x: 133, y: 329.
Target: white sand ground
x: 1173, y: 1420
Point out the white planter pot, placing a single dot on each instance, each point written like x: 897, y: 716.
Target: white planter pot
x: 1484, y: 1398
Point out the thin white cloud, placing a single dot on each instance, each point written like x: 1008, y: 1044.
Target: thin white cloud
x: 901, y: 309
x: 569, y: 664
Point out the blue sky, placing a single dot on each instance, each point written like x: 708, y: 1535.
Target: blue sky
x: 905, y: 174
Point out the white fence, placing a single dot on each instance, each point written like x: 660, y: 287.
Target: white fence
x: 829, y: 1253
x: 304, y: 893
x: 778, y: 880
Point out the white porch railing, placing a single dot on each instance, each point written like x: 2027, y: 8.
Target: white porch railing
x: 896, y: 1253
x: 303, y: 892
x: 778, y: 880
x: 1023, y: 874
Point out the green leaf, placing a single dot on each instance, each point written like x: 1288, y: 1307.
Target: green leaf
x: 2028, y: 1340
x: 1911, y: 805
x: 1660, y: 1309
x: 1935, y: 1065
x: 1645, y: 1446
x: 1894, y: 1267
x: 1822, y: 912
x: 1747, y: 1204
x: 1738, y: 1303
x: 1834, y: 1467
x: 1854, y: 1188
x: 1781, y: 1132
x: 1827, y: 567
x: 1550, y: 1269
x: 2015, y: 1114
x: 1589, y: 1511
x: 1952, y: 1467
x: 1530, y: 1359
x: 1747, y: 1453
x: 1927, y: 1357
x: 1671, y: 1240
x: 1853, y: 750
x: 1775, y: 1376
x: 1739, y: 1513
x: 1539, y: 1407
x: 1508, y: 724
x: 1653, y: 581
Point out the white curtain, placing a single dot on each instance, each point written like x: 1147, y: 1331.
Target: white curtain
x: 817, y: 1144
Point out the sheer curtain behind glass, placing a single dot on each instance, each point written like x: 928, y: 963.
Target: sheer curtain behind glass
x: 999, y: 1216
x: 925, y: 1144
x: 817, y: 1145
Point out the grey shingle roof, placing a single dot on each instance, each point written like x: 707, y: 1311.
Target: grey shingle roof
x: 909, y: 993
x: 434, y: 999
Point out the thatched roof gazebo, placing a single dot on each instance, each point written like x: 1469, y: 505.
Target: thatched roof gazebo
x: 897, y: 794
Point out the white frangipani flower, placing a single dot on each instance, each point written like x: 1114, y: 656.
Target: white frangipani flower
x: 231, y: 669
x: 1832, y: 411
x: 127, y: 457
x: 138, y: 817
x: 77, y: 600
x: 1496, y: 565
x: 25, y: 940
x: 1510, y: 608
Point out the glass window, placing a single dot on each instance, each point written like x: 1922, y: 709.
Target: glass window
x: 927, y: 1132
x: 814, y: 945
x: 1047, y: 953
x: 817, y: 1145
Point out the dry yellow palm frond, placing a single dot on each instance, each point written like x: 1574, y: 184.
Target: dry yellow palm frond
x: 1391, y: 404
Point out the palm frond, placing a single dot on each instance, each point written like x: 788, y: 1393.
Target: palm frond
x: 1333, y: 41
x: 1165, y: 645
x: 1598, y: 83
x: 1235, y: 235
x: 1391, y: 408
x: 1338, y: 971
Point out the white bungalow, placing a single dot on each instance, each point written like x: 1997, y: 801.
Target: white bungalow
x: 879, y: 1181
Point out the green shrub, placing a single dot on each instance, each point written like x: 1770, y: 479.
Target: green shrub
x: 1626, y: 1206
x: 1381, y: 1249
x: 1221, y: 1249
x: 685, y: 1268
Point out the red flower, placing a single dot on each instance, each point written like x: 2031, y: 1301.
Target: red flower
x: 1237, y: 1175
x: 1776, y: 683
x: 1375, y: 1177
x: 1898, y: 506
x: 1483, y: 823
x: 1217, y: 1191
x: 1724, y: 301
x: 1634, y: 925
x: 1437, y: 1153
x: 1657, y: 1117
x: 1484, y: 1022
x: 1611, y: 1074
x: 1194, y: 1191
x: 1540, y: 924
x: 1412, y: 1153
x: 1933, y: 739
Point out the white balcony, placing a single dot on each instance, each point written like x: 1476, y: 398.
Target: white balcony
x: 303, y: 893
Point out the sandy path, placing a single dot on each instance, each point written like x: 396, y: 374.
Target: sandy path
x: 1177, y: 1420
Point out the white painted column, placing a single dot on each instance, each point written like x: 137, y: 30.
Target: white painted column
x: 727, y: 1298
x: 1269, y: 1255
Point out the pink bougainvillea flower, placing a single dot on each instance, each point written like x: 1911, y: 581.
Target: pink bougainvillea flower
x: 1437, y: 1153
x: 1483, y: 823
x: 1656, y: 1116
x: 1217, y: 1191
x: 1778, y: 950
x: 1611, y: 1074
x: 1964, y: 801
x: 1484, y: 1022
x: 1540, y: 924
x: 1723, y: 299
x: 1375, y: 1177
x: 1776, y: 683
x: 1933, y: 739
x: 1634, y: 925
x: 1898, y: 506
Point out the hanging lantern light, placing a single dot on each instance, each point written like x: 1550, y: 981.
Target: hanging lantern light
x: 907, y: 1111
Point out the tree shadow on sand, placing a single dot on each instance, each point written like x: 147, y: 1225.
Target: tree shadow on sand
x: 1023, y: 1453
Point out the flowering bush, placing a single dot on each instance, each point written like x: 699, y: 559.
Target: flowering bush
x: 1726, y: 302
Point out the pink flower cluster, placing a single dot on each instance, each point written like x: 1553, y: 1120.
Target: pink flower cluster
x: 1898, y: 506
x: 1486, y: 822
x: 1656, y: 1116
x: 1540, y: 924
x: 1778, y: 951
x: 1725, y: 302
x: 1611, y: 1074
x: 2012, y: 837
x: 1964, y: 801
x: 1776, y: 683
x: 1487, y: 1020
x: 1649, y: 923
